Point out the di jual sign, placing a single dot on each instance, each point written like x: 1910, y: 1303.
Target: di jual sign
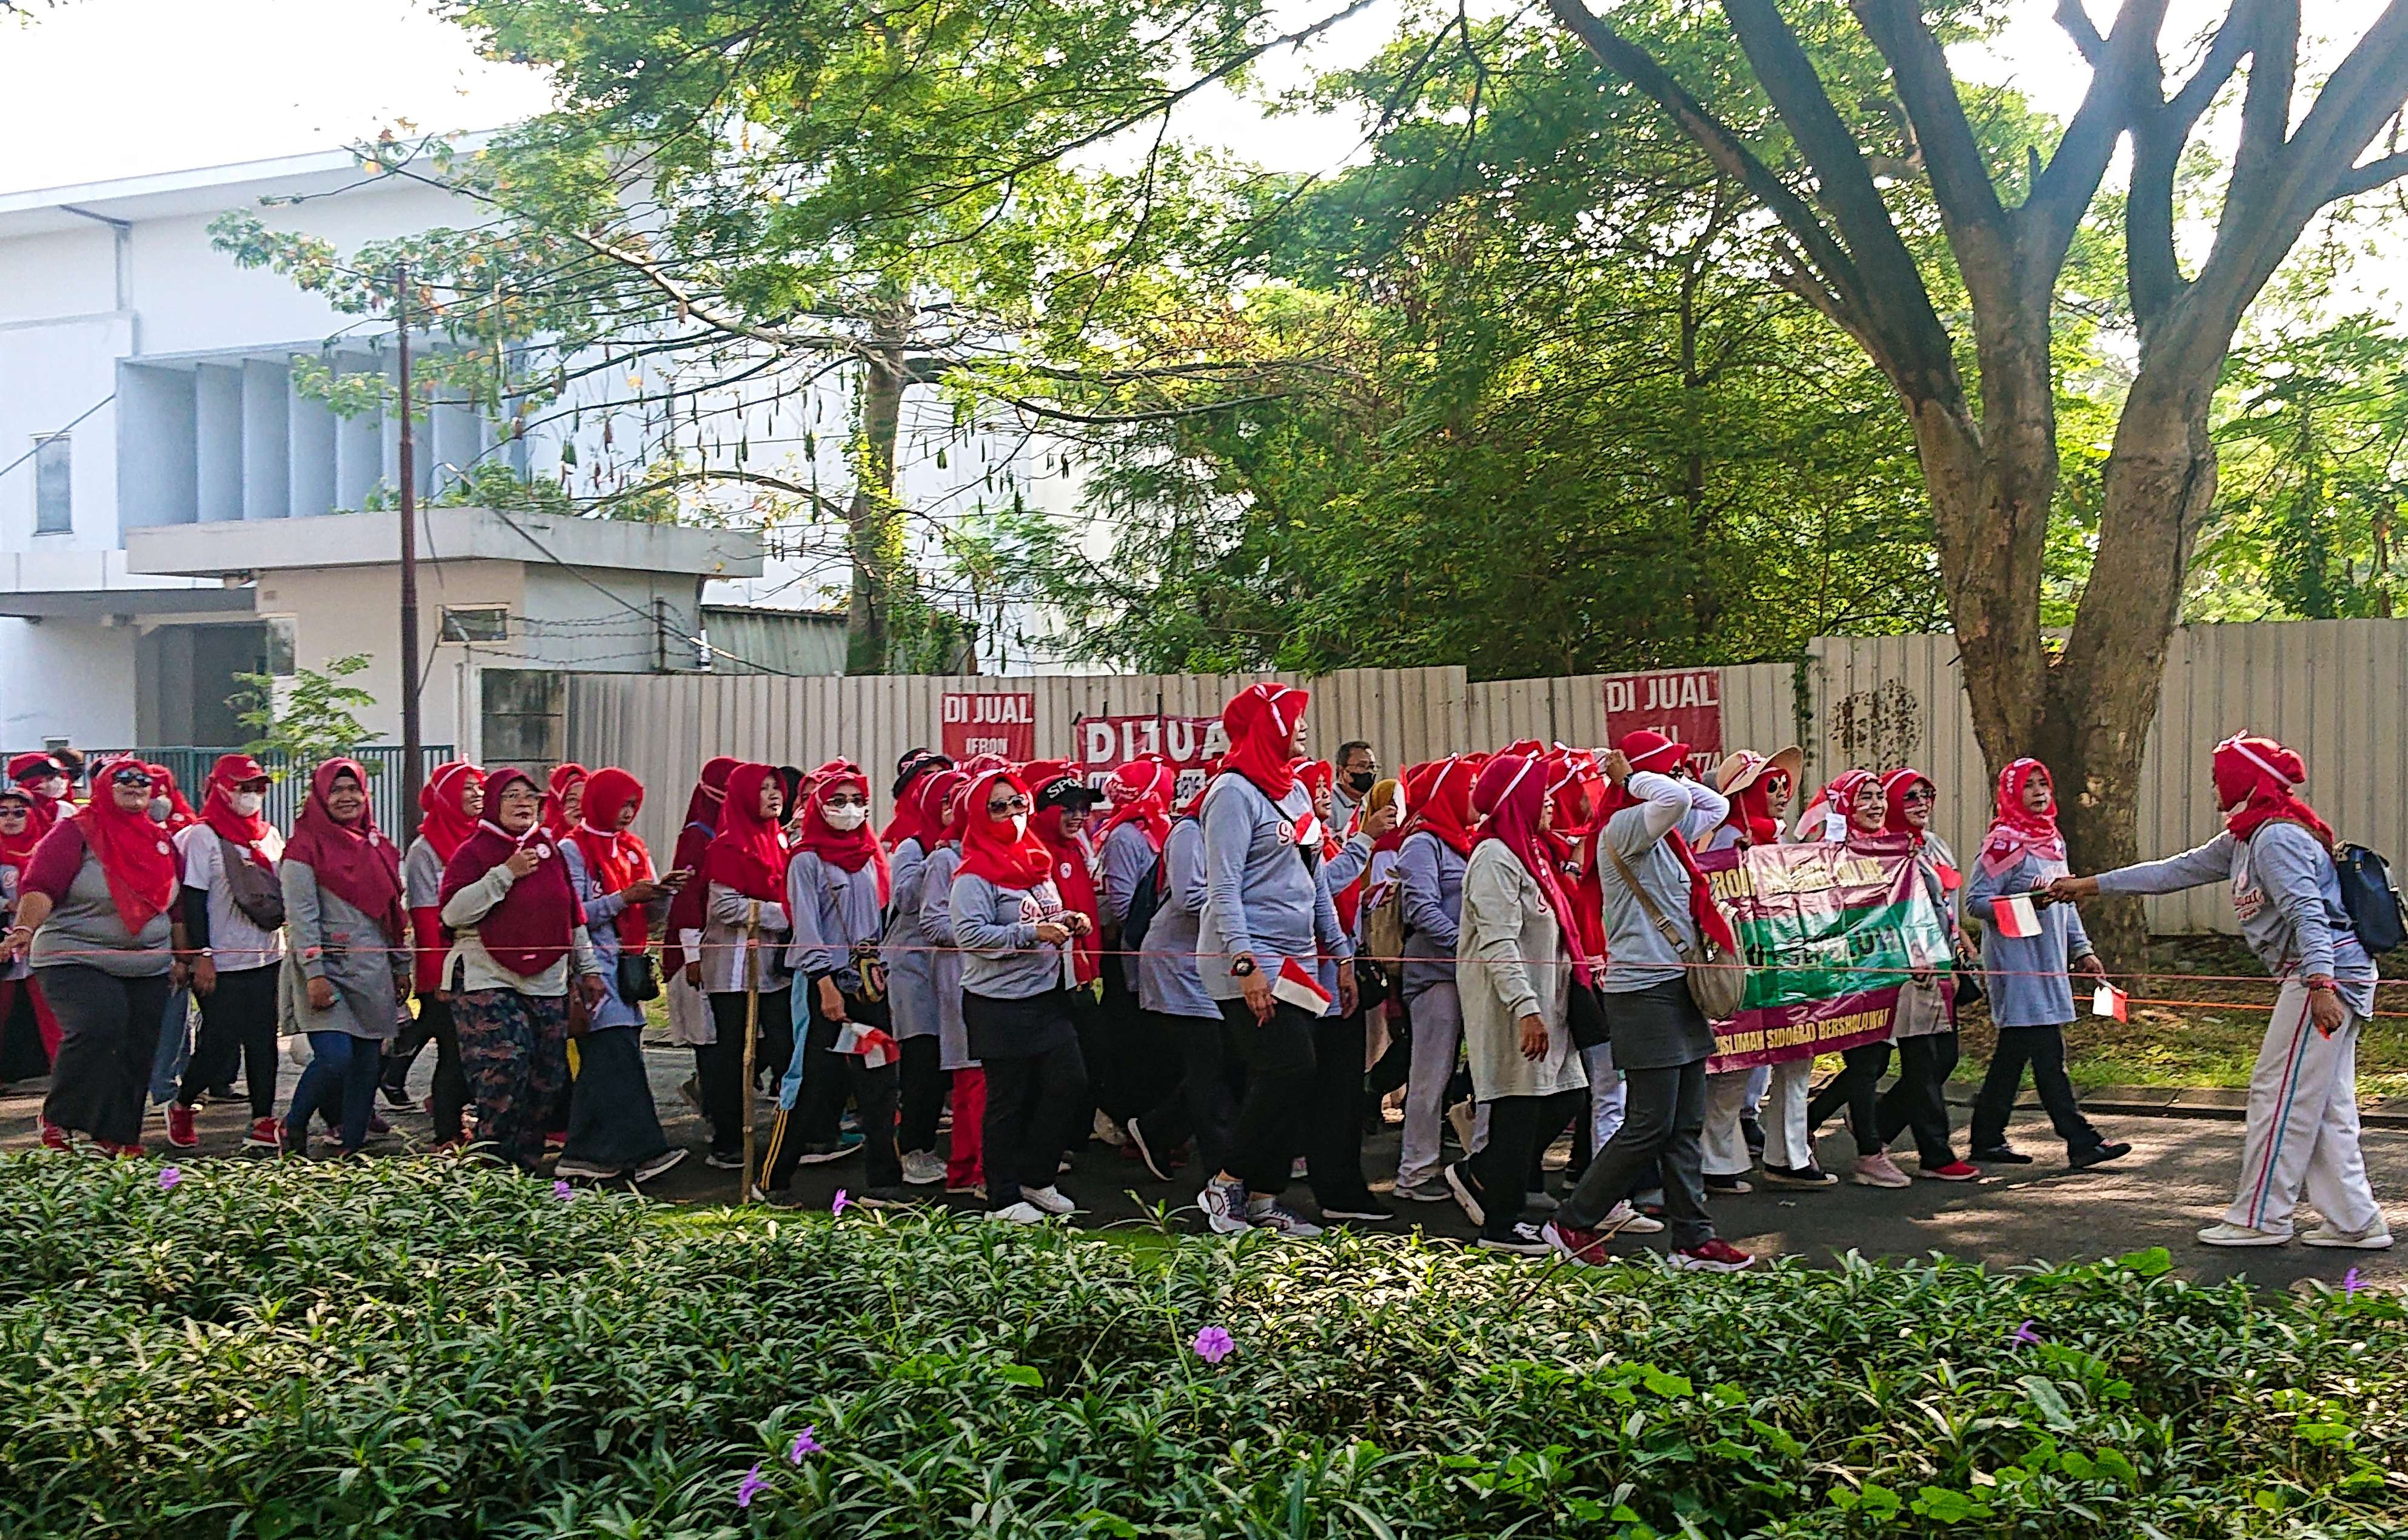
x: 1001, y: 722
x: 1685, y: 705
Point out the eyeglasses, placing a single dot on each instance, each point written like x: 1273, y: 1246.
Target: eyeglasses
x: 14, y: 812
x: 1009, y: 805
x: 130, y: 775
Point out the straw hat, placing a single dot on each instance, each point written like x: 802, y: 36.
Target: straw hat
x: 1746, y: 767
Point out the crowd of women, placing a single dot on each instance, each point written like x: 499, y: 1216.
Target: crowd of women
x: 1225, y: 981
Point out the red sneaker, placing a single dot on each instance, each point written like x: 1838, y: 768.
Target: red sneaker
x: 54, y: 1137
x: 1954, y: 1171
x: 1575, y: 1244
x: 555, y: 1143
x: 116, y: 1152
x: 266, y: 1133
x: 1714, y: 1256
x: 181, y: 1133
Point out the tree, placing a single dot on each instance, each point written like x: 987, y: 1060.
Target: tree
x: 1989, y: 447
x: 309, y: 719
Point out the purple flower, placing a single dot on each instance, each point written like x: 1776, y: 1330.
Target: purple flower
x: 1213, y: 1345
x: 751, y: 1487
x: 843, y: 1200
x: 170, y: 1174
x: 2350, y: 1282
x: 563, y: 1192
x: 806, y: 1442
x: 2024, y: 1335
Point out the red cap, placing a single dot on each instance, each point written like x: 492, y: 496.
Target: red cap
x: 1647, y: 749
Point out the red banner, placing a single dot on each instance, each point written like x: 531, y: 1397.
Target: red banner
x: 1685, y: 705
x: 1105, y: 742
x: 984, y: 722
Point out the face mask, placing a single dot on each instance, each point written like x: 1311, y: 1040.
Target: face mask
x: 55, y: 787
x: 1361, y: 782
x: 248, y: 803
x: 160, y: 808
x: 845, y: 818
x: 1019, y: 826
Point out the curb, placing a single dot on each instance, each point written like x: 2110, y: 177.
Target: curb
x: 2220, y: 1106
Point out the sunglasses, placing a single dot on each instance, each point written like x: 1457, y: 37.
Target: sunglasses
x: 1923, y: 797
x: 130, y: 777
x: 1009, y: 805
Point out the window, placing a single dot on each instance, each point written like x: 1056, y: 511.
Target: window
x: 54, y: 486
x: 488, y: 623
x: 524, y: 716
x: 279, y: 645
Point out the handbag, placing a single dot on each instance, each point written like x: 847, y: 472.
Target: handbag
x: 255, y: 891
x: 1584, y: 1016
x: 1716, y: 987
x: 639, y: 979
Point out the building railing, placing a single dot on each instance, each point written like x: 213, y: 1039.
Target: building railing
x: 290, y: 782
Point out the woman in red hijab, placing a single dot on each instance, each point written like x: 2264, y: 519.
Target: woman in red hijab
x: 743, y: 939
x: 93, y: 917
x: 682, y: 931
x: 232, y: 906
x: 1430, y: 863
x: 945, y: 807
x: 1924, y: 1025
x: 564, y: 802
x: 29, y: 1033
x: 178, y: 814
x: 450, y: 804
x: 1857, y: 795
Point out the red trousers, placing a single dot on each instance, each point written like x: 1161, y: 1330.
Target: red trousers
x: 963, y: 1167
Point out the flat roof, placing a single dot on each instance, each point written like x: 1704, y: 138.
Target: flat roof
x: 199, y: 190
x: 238, y: 546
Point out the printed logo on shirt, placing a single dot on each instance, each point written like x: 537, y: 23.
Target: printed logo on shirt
x: 1286, y: 832
x: 2248, y: 895
x: 1030, y: 911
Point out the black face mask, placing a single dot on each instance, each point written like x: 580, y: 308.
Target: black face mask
x: 1360, y: 781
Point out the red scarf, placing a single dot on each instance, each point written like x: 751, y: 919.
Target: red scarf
x: 554, y: 817
x: 226, y: 777
x: 133, y: 852
x: 179, y: 812
x: 2258, y: 780
x: 994, y: 850
x: 1659, y: 751
x: 2016, y: 830
x: 17, y: 849
x: 447, y: 823
x: 1444, y: 806
x: 1140, y: 793
x: 530, y: 928
x: 1320, y: 777
x: 1509, y: 794
x: 940, y: 808
x: 1075, y: 883
x: 24, y: 770
x: 1894, y: 786
x: 1751, y: 804
x: 749, y: 852
x: 846, y: 852
x: 352, y: 860
x: 614, y: 856
x: 1261, y: 721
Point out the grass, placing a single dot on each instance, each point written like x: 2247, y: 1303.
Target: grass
x: 424, y: 1348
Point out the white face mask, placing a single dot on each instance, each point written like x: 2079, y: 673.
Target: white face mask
x: 160, y: 808
x: 56, y: 786
x: 844, y: 817
x: 1019, y: 826
x: 248, y: 803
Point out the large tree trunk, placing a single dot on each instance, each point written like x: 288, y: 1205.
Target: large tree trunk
x: 874, y: 520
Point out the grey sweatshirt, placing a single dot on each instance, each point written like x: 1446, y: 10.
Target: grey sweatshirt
x: 1430, y: 876
x: 1259, y: 894
x: 834, y: 910
x: 997, y: 927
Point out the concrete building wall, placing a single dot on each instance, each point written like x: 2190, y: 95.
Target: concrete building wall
x: 67, y: 679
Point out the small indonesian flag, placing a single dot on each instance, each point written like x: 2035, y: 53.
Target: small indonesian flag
x: 1298, y: 987
x: 877, y: 1049
x: 2014, y: 916
x: 2107, y: 1000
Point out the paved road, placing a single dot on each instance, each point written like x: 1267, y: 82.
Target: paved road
x: 2177, y: 1178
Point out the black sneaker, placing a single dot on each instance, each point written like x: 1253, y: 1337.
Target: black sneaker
x: 398, y: 1097
x: 2001, y: 1155
x: 889, y: 1197
x: 1753, y: 1132
x: 1358, y: 1205
x: 1728, y: 1186
x: 2097, y: 1155
x: 1467, y: 1193
x: 730, y: 1161
x: 1161, y: 1167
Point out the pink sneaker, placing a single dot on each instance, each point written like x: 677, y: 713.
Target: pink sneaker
x: 1880, y: 1171
x: 54, y: 1137
x: 1714, y: 1256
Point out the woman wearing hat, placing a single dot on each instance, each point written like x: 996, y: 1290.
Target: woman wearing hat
x: 2277, y: 854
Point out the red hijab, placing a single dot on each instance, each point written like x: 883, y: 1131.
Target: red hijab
x: 1140, y: 793
x: 1441, y: 805
x: 1894, y: 786
x: 226, y: 777
x: 1261, y: 721
x: 1841, y: 797
x: 353, y: 860
x: 1509, y: 794
x: 911, y: 820
x: 709, y: 791
x: 846, y: 852
x: 25, y: 771
x: 554, y: 816
x: 1750, y: 805
x: 17, y: 849
x: 1005, y: 855
x: 2258, y: 781
x: 132, y: 851
x: 1076, y: 884
x: 446, y: 824
x: 940, y: 807
x: 532, y: 927
x: 2016, y: 830
x: 613, y: 855
x: 749, y: 852
x: 179, y: 812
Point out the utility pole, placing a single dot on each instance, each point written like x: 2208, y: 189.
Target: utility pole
x: 411, y: 773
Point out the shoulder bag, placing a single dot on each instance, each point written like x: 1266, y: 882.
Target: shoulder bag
x: 1714, y: 983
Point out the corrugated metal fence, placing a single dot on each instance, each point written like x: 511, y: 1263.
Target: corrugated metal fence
x: 2338, y: 691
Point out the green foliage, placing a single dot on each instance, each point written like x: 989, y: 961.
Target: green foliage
x: 430, y: 1349
x: 493, y: 484
x: 309, y: 719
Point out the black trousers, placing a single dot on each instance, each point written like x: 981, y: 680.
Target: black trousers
x: 108, y: 1033
x: 829, y: 1080
x: 450, y: 1088
x: 1333, y: 1123
x: 238, y: 1024
x: 1280, y: 1072
x: 1858, y: 1085
x: 2043, y: 1049
x: 1919, y: 1101
x: 1662, y: 1135
x: 1520, y: 1129
x: 719, y: 1066
x: 1396, y: 1061
x: 1203, y: 1105
x: 1030, y: 1098
x: 923, y: 1094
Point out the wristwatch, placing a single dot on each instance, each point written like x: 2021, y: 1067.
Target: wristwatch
x: 2325, y: 984
x: 1241, y: 966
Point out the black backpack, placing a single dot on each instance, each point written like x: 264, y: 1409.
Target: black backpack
x: 1141, y: 907
x: 2375, y: 909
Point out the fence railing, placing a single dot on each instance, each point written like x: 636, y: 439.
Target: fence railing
x: 383, y: 762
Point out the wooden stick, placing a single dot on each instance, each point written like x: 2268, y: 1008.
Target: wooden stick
x: 751, y: 1031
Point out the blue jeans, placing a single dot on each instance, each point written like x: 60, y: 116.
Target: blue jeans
x: 342, y: 1067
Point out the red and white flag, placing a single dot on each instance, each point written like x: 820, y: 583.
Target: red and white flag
x: 1298, y: 987
x: 877, y: 1049
x: 2107, y: 1000
x: 2014, y: 915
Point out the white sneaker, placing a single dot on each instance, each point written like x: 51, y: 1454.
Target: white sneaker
x: 922, y: 1168
x: 1224, y: 1206
x: 1018, y: 1213
x: 1280, y: 1220
x: 1051, y: 1199
x: 1623, y: 1220
x: 1880, y: 1171
x: 587, y: 1170
x: 2242, y: 1234
x: 2375, y: 1237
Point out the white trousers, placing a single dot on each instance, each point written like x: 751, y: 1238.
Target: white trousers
x: 2303, y: 1125
x: 1438, y: 1038
x: 1729, y: 1097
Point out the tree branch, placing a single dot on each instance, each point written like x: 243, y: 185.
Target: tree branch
x: 2234, y: 38
x: 2126, y: 82
x: 1960, y: 177
x: 2078, y: 26
x: 2367, y: 178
